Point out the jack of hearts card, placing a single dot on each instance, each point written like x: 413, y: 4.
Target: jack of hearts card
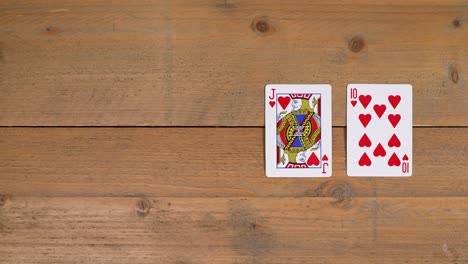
x: 379, y: 130
x: 298, y: 135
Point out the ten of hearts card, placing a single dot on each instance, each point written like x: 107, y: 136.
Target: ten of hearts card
x: 379, y: 130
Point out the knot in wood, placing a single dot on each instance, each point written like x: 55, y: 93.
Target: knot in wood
x: 453, y: 73
x: 341, y: 191
x: 342, y: 194
x: 52, y: 30
x: 356, y: 44
x: 3, y: 201
x: 262, y: 26
x: 253, y: 226
x: 143, y: 207
x: 456, y: 23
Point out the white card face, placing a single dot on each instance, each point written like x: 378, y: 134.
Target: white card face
x: 379, y: 129
x: 298, y: 130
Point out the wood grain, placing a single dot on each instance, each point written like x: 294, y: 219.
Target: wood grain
x: 234, y: 230
x: 205, y: 162
x: 205, y: 63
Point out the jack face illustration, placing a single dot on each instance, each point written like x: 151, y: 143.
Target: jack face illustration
x: 298, y: 131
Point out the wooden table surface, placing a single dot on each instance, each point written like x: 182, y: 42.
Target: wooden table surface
x: 131, y: 131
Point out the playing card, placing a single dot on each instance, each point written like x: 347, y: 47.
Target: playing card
x: 298, y: 136
x: 379, y: 130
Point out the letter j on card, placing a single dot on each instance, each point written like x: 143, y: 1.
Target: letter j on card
x: 298, y: 135
x: 379, y: 130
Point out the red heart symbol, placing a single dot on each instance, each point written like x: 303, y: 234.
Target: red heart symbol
x: 313, y: 160
x: 365, y: 119
x: 272, y: 103
x: 364, y: 160
x: 394, y: 141
x: 394, y: 160
x: 405, y: 157
x: 365, y: 100
x: 353, y: 102
x: 325, y: 158
x: 394, y: 100
x: 394, y: 119
x: 379, y: 110
x: 284, y: 101
x: 365, y: 141
x: 379, y: 151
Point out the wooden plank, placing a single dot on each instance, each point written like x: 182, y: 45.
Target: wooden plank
x: 234, y: 230
x: 205, y: 162
x: 205, y: 63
